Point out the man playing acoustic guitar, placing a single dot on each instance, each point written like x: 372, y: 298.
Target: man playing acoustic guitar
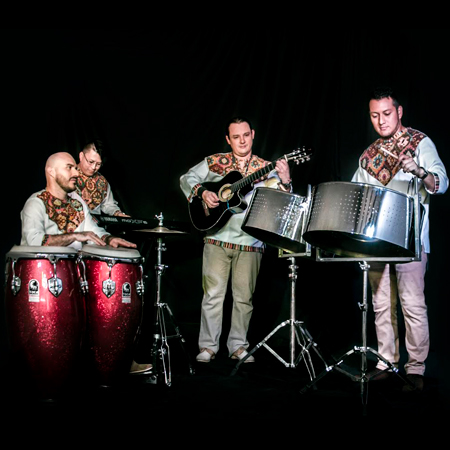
x: 227, y: 248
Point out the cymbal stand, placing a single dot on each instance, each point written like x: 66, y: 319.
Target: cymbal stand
x: 161, y: 349
x: 298, y: 334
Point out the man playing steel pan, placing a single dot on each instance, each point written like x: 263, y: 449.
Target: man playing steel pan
x: 393, y: 160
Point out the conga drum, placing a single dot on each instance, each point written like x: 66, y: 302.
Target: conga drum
x: 45, y: 316
x: 113, y: 283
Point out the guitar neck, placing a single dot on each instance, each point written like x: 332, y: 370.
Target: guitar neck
x: 252, y: 177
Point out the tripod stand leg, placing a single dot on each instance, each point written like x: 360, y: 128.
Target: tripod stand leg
x: 257, y: 346
x: 180, y: 337
x: 305, y: 341
x: 161, y: 353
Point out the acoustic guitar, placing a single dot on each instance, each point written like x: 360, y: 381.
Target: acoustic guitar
x: 231, y: 191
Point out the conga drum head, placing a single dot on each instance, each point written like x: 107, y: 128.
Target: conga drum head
x: 361, y: 220
x: 99, y: 251
x: 35, y: 252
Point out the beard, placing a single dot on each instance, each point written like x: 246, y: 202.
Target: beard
x: 66, y: 185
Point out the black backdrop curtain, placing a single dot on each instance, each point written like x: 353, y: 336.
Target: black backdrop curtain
x: 159, y: 101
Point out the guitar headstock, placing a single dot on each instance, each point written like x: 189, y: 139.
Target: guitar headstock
x: 299, y: 156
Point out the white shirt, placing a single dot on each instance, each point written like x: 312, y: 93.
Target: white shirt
x: 428, y: 158
x: 36, y: 222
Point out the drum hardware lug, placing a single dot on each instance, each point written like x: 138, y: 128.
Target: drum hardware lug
x: 54, y: 283
x: 140, y: 283
x: 109, y: 286
x: 83, y: 282
x: 16, y: 282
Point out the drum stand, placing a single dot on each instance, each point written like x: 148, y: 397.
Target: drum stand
x: 160, y: 348
x: 364, y: 378
x: 297, y: 333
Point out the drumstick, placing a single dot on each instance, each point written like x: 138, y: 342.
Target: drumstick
x: 389, y: 153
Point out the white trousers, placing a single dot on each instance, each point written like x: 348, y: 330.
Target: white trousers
x: 406, y: 282
x: 218, y: 264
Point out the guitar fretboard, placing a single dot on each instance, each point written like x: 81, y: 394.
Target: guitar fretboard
x: 252, y: 177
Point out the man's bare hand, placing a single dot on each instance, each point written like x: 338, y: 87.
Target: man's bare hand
x: 211, y: 199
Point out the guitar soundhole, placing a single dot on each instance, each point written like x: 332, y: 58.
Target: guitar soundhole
x: 225, y: 193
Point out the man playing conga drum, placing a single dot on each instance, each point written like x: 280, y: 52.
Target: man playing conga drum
x: 57, y: 216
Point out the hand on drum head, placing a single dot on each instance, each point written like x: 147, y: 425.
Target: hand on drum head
x: 62, y: 240
x: 119, y: 242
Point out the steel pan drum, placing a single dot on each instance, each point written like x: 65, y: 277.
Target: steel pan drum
x: 277, y: 218
x: 45, y: 316
x: 112, y: 280
x: 361, y: 220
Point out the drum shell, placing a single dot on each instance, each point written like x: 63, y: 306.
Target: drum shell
x: 361, y: 220
x: 277, y: 218
x: 112, y: 322
x: 45, y: 331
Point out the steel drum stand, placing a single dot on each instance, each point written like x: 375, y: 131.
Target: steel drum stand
x: 160, y: 348
x: 364, y: 378
x: 297, y: 334
x: 363, y: 350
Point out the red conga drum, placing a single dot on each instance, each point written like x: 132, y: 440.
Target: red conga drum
x: 113, y: 280
x: 45, y: 315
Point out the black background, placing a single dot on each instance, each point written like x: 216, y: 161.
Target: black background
x: 159, y: 101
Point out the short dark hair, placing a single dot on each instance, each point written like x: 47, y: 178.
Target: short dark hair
x: 95, y: 144
x: 381, y: 92
x: 237, y: 119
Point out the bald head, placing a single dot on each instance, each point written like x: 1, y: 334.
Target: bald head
x: 61, y: 174
x: 58, y: 159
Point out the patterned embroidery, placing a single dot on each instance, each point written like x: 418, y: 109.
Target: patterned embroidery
x: 92, y: 190
x: 242, y: 248
x: 68, y: 216
x: 383, y: 166
x: 224, y: 163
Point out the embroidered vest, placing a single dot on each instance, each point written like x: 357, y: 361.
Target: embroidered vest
x: 92, y: 190
x: 224, y: 163
x: 382, y: 166
x: 68, y: 216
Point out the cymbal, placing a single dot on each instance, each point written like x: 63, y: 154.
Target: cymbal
x: 160, y: 230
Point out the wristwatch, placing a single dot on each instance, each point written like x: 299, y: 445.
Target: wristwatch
x: 287, y: 186
x: 425, y: 173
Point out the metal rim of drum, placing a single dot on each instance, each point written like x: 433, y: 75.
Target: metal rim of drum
x: 107, y: 254
x: 39, y: 252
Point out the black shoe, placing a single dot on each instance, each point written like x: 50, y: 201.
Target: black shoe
x: 379, y: 374
x: 415, y: 384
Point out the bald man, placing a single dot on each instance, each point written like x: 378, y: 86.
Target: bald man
x: 57, y: 216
